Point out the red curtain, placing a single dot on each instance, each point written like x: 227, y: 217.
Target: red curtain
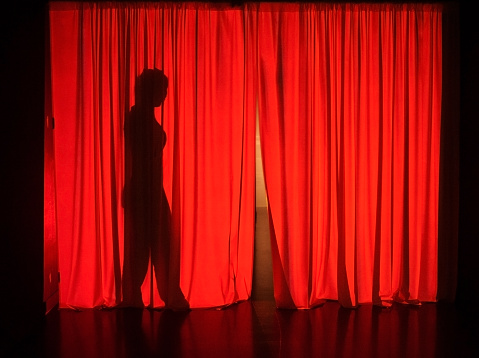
x: 349, y: 99
x: 350, y: 108
x: 158, y: 195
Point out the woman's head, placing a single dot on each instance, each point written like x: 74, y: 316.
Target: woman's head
x: 151, y: 87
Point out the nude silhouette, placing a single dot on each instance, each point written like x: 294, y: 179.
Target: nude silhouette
x: 147, y: 211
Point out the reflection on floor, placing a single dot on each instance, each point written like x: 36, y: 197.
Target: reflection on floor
x: 255, y: 328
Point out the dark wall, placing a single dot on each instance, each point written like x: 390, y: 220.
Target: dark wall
x: 21, y: 118
x: 468, y: 253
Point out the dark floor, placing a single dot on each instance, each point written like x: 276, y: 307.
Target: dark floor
x: 256, y: 328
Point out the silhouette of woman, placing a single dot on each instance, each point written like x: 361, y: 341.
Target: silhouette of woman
x: 147, y: 212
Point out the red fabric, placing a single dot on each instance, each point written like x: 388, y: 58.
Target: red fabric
x: 350, y: 109
x: 206, y: 127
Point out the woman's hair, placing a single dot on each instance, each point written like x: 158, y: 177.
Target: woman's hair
x: 150, y: 83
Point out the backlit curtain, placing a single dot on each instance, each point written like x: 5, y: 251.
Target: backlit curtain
x: 157, y: 194
x: 349, y: 100
x: 350, y: 116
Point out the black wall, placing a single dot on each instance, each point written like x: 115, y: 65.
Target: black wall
x: 21, y: 126
x: 468, y: 265
x: 22, y: 55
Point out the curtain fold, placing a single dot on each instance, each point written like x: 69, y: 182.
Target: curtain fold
x: 350, y: 108
x: 157, y: 199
